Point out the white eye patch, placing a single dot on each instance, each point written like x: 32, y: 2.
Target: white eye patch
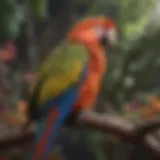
x: 99, y: 30
x: 112, y: 35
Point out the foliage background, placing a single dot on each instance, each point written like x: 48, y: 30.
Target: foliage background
x: 29, y: 28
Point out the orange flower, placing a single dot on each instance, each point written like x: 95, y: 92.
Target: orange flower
x: 155, y: 102
x: 147, y: 112
x: 157, y: 106
x: 5, y: 55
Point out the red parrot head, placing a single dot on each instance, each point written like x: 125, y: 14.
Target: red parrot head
x: 104, y: 29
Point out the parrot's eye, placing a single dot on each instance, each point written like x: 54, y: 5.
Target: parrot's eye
x: 101, y: 33
x: 107, y: 36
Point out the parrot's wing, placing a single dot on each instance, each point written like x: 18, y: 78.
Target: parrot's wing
x: 59, y: 71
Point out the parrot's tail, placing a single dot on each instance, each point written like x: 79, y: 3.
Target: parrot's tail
x: 44, y: 136
x: 48, y: 126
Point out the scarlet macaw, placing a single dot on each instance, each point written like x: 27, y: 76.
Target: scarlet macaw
x: 68, y: 80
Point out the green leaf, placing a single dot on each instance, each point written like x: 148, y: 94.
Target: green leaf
x: 10, y: 20
x: 39, y: 8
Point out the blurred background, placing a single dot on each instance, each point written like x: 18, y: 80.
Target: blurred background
x: 131, y: 88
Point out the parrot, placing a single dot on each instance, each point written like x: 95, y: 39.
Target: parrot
x: 67, y: 81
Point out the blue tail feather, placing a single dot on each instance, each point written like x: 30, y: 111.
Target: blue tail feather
x: 64, y: 107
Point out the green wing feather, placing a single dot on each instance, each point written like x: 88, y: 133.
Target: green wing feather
x: 59, y: 70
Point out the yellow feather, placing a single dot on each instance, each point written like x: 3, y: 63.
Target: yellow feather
x: 54, y: 85
x: 61, y: 69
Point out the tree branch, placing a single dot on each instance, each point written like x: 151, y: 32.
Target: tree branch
x: 125, y: 130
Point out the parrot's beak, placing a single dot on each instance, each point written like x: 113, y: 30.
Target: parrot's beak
x: 109, y: 39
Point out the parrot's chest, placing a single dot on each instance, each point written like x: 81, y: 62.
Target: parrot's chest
x: 88, y: 91
x: 90, y: 87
